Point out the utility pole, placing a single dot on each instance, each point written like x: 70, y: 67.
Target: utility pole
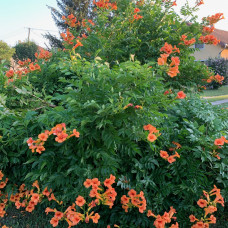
x: 30, y: 29
x: 29, y: 33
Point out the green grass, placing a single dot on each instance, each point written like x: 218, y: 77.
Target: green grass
x: 216, y: 92
x: 216, y: 98
x: 216, y: 95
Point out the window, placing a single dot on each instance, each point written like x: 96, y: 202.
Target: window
x: 199, y: 46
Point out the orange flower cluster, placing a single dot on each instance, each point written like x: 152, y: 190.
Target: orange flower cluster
x: 3, y: 198
x: 71, y: 20
x: 208, y: 30
x: 43, y: 54
x: 27, y: 67
x: 199, y: 2
x: 140, y: 3
x: 78, y: 44
x: 86, y: 23
x: 105, y: 4
x: 131, y: 105
x: 25, y: 62
x: 23, y: 193
x: 209, y: 206
x: 167, y: 157
x: 15, y: 75
x: 68, y: 37
x: 84, y: 36
x: 59, y: 130
x: 218, y: 143
x: 106, y: 198
x: 153, y: 132
x: 160, y: 221
x: 10, y: 73
x: 187, y: 42
x: 29, y: 64
x: 33, y: 67
x: 27, y: 199
x: 169, y: 49
x: 209, y: 39
x: 72, y: 217
x: 136, y: 16
x: 217, y: 78
x: 181, y: 95
x: 172, y: 68
x: 134, y: 200
x: 214, y: 18
x: 174, y: 3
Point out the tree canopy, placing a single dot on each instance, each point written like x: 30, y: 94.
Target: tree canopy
x: 6, y: 52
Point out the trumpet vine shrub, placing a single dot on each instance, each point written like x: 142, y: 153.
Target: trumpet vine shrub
x: 116, y: 103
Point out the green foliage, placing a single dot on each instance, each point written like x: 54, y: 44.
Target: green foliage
x: 113, y: 140
x: 195, y: 124
x: 6, y: 52
x: 91, y: 93
x: 117, y: 35
x: 25, y: 50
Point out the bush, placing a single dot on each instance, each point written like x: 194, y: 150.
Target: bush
x: 95, y: 103
x: 116, y: 35
x: 5, y: 51
x: 113, y: 106
x: 25, y: 50
x: 219, y: 66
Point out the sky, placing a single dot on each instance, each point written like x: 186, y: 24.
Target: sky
x: 16, y: 16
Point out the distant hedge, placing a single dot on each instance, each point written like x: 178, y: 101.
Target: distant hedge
x: 25, y: 50
x: 219, y: 66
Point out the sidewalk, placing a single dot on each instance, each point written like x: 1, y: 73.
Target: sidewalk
x: 219, y: 102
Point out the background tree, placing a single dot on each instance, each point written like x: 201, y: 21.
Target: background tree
x: 79, y: 8
x: 6, y: 52
x: 25, y: 50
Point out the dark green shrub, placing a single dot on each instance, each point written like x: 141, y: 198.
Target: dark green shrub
x: 109, y: 103
x: 25, y: 50
x: 219, y: 66
x: 113, y: 141
x: 6, y: 52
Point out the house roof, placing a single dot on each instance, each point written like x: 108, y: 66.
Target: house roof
x: 222, y: 36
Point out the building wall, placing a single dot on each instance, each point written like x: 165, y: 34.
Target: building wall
x: 209, y: 51
x: 224, y: 54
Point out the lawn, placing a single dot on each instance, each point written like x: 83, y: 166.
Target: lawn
x: 216, y: 92
x: 216, y: 95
